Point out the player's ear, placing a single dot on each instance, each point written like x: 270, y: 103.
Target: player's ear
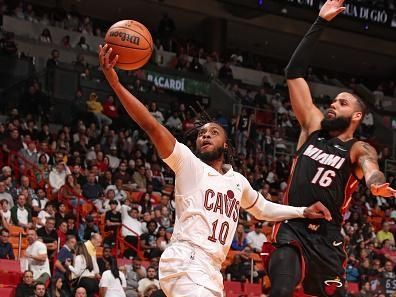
x: 225, y: 146
x: 357, y: 115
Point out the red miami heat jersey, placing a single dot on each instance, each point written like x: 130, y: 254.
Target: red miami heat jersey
x: 322, y: 171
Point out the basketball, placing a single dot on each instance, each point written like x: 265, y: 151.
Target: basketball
x: 132, y: 42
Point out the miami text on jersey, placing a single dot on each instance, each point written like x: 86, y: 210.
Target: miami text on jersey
x: 324, y: 158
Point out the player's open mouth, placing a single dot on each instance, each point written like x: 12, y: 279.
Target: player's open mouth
x: 206, y: 144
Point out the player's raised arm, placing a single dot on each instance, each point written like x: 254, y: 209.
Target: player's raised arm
x: 262, y: 209
x: 308, y: 115
x: 367, y: 159
x: 162, y: 139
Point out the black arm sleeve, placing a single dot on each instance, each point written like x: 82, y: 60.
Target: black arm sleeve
x: 302, y: 55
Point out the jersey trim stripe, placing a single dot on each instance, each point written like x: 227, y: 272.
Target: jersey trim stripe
x: 350, y: 187
x: 293, y: 167
x: 255, y: 201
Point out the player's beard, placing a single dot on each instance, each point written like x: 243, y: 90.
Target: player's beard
x: 336, y: 124
x: 214, y: 155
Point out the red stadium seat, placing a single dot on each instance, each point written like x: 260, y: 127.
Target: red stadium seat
x: 252, y: 290
x: 232, y: 287
x: 10, y: 266
x: 7, y: 292
x: 353, y: 288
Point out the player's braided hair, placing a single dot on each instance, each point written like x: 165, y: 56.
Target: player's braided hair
x: 202, y: 119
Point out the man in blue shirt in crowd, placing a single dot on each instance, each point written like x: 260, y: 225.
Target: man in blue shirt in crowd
x: 6, y: 251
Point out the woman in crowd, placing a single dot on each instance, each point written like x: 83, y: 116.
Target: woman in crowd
x: 70, y: 191
x: 56, y: 288
x: 113, y: 282
x: 85, y: 270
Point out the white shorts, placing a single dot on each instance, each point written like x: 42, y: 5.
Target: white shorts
x: 185, y: 270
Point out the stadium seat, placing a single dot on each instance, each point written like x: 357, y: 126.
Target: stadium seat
x: 10, y: 266
x: 252, y: 289
x: 15, y: 230
x: 232, y: 287
x: 7, y: 292
x: 124, y: 261
x: 353, y: 288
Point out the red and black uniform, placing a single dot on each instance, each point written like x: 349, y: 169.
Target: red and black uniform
x: 321, y: 171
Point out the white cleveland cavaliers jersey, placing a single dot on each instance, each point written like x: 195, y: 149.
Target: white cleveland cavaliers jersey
x: 207, y: 202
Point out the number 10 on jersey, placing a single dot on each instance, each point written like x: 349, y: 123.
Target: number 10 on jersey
x: 223, y: 233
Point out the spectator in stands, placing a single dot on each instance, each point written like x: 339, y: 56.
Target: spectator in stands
x: 225, y: 73
x: 122, y: 173
x: 96, y: 108
x: 6, y: 251
x: 82, y: 43
x: 368, y: 125
x: 149, y: 280
x: 132, y: 229
x: 379, y: 97
x: 255, y: 239
x: 85, y: 270
x: 40, y: 289
x: 110, y: 109
x: 239, y: 242
x: 61, y: 231
x: 210, y: 65
x: 28, y: 156
x: 65, y: 253
x: 46, y: 36
x: 47, y: 212
x: 57, y: 177
x: 61, y: 214
x: 65, y: 42
x: 57, y: 288
x: 6, y: 172
x: 195, y: 66
x: 36, y: 254
x: 113, y: 281
x: 5, y: 213
x: 25, y: 288
x: 71, y: 227
x: 385, y: 234
x: 13, y: 142
x: 20, y: 214
x: 149, y: 241
x: 81, y: 292
x: 238, y: 270
x: 113, y: 222
x: 39, y: 202
x: 105, y: 260
x: 70, y: 191
x: 140, y: 178
x: 4, y: 195
x: 88, y: 228
x: 243, y: 126
x: 156, y: 113
x: 24, y: 186
x: 174, y: 122
x: 162, y: 239
x: 91, y: 190
x: 77, y: 173
x: 54, y: 60
x: 8, y: 45
x: 49, y: 236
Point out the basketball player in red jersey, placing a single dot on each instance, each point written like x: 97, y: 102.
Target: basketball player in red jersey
x: 327, y: 167
x: 208, y: 196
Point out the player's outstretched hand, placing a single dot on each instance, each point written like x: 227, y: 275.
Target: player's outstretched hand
x: 383, y: 190
x: 107, y: 64
x: 317, y: 211
x: 331, y: 9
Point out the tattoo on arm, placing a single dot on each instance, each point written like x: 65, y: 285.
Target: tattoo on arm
x: 376, y: 178
x: 368, y: 161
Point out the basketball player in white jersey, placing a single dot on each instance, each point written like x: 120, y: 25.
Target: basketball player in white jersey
x: 208, y: 197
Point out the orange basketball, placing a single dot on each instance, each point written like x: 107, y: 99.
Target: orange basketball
x: 132, y: 42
